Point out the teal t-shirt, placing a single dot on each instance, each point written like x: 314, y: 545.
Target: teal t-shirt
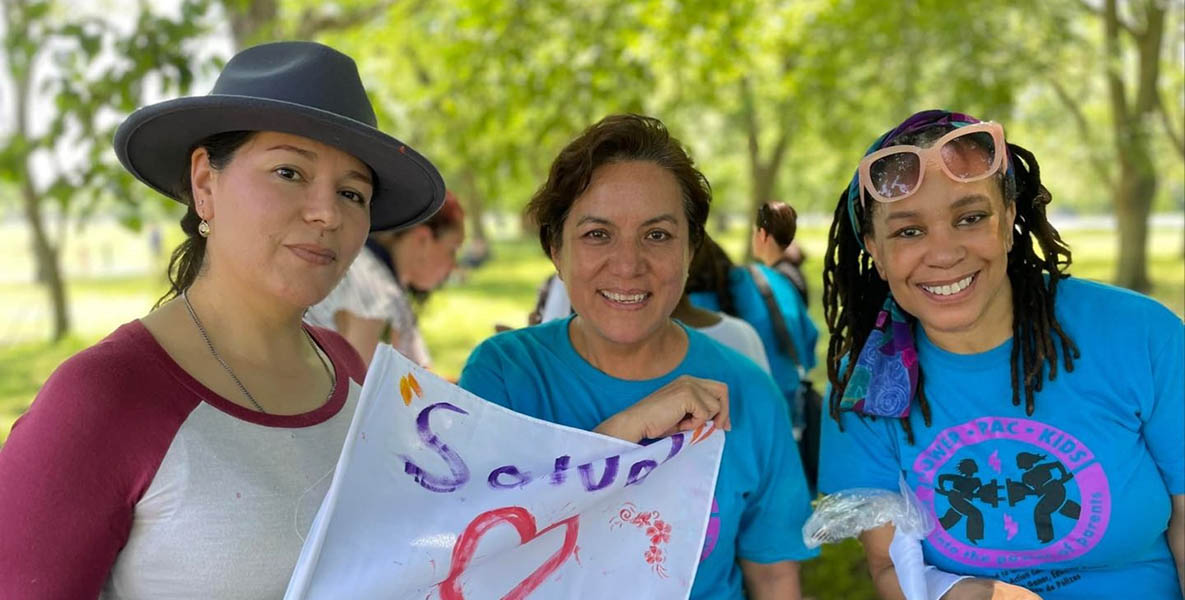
x: 761, y: 499
x: 751, y: 307
x: 1071, y: 502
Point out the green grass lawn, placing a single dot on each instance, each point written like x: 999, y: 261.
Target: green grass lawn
x: 456, y: 318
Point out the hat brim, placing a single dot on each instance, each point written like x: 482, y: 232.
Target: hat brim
x: 154, y: 143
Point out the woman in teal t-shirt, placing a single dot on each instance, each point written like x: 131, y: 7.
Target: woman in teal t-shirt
x: 1038, y: 417
x: 620, y: 215
x: 733, y: 289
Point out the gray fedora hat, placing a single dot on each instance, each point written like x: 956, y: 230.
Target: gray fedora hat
x: 302, y: 88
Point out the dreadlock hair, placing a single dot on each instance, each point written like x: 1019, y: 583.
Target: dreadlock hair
x: 709, y: 273
x: 853, y: 293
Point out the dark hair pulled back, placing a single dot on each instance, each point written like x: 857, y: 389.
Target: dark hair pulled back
x: 188, y: 258
x: 710, y: 267
x: 779, y: 220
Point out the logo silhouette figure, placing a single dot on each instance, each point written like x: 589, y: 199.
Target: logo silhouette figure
x: 959, y: 491
x: 1039, y: 480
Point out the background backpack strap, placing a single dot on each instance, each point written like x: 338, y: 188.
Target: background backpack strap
x: 536, y: 316
x: 781, y: 332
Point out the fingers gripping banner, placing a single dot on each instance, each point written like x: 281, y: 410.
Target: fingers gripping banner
x: 439, y: 495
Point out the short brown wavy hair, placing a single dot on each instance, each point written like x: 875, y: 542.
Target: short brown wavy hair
x: 614, y: 139
x: 779, y: 220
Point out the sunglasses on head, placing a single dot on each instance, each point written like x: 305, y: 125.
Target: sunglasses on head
x: 762, y: 221
x: 966, y: 154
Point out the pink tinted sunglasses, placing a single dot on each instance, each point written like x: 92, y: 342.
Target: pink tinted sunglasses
x: 967, y: 154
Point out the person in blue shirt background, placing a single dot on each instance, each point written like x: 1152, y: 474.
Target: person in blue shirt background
x: 774, y: 229
x: 731, y: 289
x: 1048, y: 439
x: 620, y: 215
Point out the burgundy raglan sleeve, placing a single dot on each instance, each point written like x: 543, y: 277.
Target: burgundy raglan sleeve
x: 343, y: 355
x: 76, y: 464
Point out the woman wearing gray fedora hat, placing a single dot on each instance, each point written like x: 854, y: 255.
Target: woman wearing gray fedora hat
x: 186, y: 453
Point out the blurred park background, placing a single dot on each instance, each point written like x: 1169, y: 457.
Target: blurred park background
x: 776, y: 100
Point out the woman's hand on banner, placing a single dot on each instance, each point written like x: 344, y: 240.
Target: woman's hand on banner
x: 681, y: 405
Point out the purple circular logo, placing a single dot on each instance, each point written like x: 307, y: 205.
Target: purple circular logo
x: 713, y: 533
x: 1031, y: 490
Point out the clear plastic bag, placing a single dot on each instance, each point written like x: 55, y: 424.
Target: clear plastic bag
x: 848, y: 513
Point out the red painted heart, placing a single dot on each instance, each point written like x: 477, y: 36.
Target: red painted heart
x: 524, y: 523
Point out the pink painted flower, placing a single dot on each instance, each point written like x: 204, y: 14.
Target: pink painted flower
x: 654, y: 555
x: 660, y: 532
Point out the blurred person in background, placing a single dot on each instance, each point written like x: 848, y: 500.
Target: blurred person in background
x: 620, y: 215
x: 374, y: 301
x: 773, y: 244
x: 769, y: 302
x: 185, y: 454
x: 720, y: 326
x: 1049, y: 432
x: 551, y: 302
x: 476, y: 254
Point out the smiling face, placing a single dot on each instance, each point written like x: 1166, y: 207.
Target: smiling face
x: 944, y: 253
x: 287, y: 216
x: 625, y: 250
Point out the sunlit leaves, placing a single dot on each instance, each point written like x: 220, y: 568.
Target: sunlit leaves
x: 73, y: 77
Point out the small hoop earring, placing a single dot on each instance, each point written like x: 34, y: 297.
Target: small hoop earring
x: 204, y: 229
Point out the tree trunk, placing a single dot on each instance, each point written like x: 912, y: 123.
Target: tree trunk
x: 1131, y: 120
x: 475, y: 209
x: 1133, y: 204
x: 762, y: 173
x: 49, y: 273
x: 764, y: 179
x: 255, y: 21
x: 248, y: 18
x: 905, y: 98
x: 47, y: 261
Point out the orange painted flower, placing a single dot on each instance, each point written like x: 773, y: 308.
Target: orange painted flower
x: 405, y: 390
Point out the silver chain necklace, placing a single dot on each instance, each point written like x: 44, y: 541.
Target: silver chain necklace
x: 243, y: 388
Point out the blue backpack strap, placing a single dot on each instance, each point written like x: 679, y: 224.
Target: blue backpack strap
x: 781, y: 331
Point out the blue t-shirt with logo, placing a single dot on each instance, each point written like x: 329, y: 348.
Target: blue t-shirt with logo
x: 751, y: 307
x: 761, y: 499
x: 1071, y: 502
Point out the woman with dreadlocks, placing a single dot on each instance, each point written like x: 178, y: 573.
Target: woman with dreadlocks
x: 932, y: 271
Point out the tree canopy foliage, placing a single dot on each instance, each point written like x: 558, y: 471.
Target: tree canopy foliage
x: 778, y: 99
x: 70, y: 78
x: 775, y: 99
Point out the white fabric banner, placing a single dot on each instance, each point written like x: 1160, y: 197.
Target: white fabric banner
x: 439, y: 495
